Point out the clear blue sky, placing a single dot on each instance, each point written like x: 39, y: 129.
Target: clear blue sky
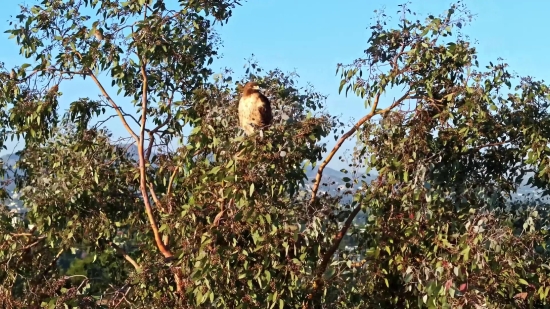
x: 312, y: 36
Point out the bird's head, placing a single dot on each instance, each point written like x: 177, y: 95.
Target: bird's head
x: 251, y: 87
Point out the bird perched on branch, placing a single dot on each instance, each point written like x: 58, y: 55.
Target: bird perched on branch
x: 254, y: 109
x: 99, y: 34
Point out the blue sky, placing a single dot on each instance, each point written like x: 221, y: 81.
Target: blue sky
x: 312, y: 36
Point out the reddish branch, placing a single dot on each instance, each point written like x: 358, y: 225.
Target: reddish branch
x: 142, y: 170
x: 115, y: 106
x: 338, y: 238
x: 373, y: 112
x: 109, y: 99
x: 121, y: 251
x: 169, y: 190
x: 140, y: 141
x: 344, y: 137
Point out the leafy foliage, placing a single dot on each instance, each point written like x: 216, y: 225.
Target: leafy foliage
x: 187, y: 212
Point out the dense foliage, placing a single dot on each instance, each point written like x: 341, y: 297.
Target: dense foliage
x: 185, y: 211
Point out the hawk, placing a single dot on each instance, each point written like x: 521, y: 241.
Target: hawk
x: 254, y: 108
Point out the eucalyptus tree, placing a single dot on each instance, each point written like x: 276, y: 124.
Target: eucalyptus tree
x: 202, y: 216
x: 210, y: 221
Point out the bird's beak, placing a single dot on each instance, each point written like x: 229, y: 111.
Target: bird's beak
x: 256, y: 87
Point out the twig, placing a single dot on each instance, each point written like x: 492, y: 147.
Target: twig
x: 154, y: 195
x: 21, y: 234
x: 123, y: 297
x: 493, y: 144
x: 128, y: 258
x: 125, y: 114
x: 27, y: 247
x: 169, y: 190
x: 152, y: 137
x: 100, y: 123
x: 150, y: 147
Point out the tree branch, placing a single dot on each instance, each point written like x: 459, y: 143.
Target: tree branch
x: 338, y: 238
x: 51, y: 265
x: 154, y: 195
x: 150, y: 147
x: 168, y: 191
x: 157, y: 128
x: 115, y: 106
x: 165, y: 238
x: 125, y: 255
x: 125, y: 114
x: 344, y: 137
x: 142, y: 171
x: 330, y: 252
x: 87, y: 71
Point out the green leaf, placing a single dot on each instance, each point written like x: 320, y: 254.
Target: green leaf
x: 465, y: 253
x: 522, y: 281
x: 342, y: 83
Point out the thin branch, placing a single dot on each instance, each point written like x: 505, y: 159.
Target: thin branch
x: 128, y: 258
x: 330, y: 252
x: 154, y: 196
x: 51, y: 265
x: 27, y: 247
x: 150, y: 147
x: 493, y: 144
x: 123, y: 297
x: 111, y: 101
x: 344, y: 137
x: 124, y: 113
x: 152, y: 137
x: 21, y: 234
x: 168, y: 192
x: 100, y: 123
x: 159, y: 205
x: 338, y: 238
x: 115, y: 106
x: 157, y: 128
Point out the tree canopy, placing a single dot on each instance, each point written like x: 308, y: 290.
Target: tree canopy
x: 185, y: 211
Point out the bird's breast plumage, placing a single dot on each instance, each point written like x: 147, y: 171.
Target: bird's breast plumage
x: 254, y: 109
